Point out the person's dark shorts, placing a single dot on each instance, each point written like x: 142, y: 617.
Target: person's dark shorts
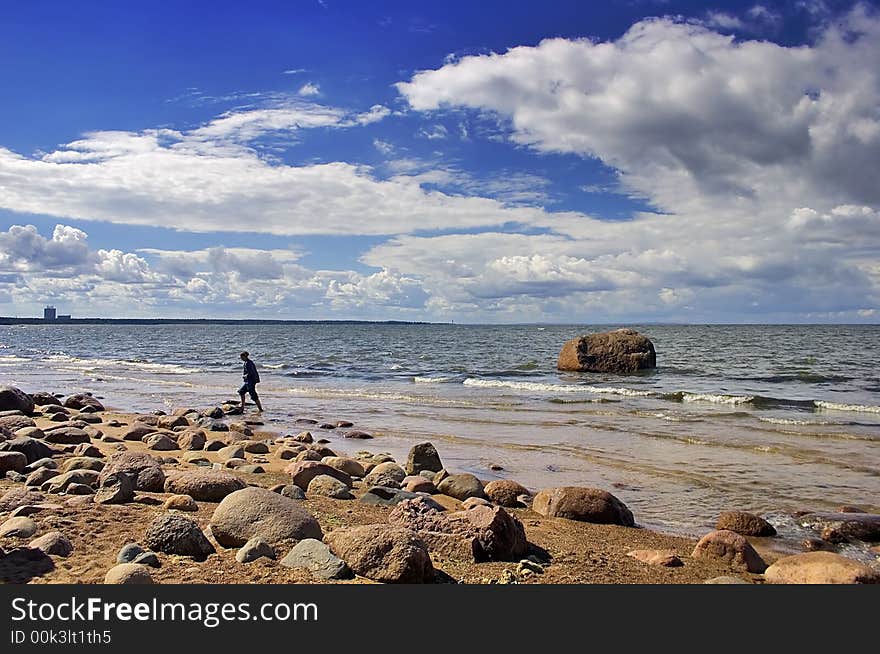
x: 250, y: 388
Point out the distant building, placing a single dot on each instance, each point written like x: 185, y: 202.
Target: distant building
x: 49, y: 314
x: 63, y: 317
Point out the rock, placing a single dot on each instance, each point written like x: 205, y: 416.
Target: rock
x: 505, y: 492
x: 235, y: 463
x: 128, y: 573
x: 427, y: 474
x: 326, y: 486
x: 137, y: 431
x: 40, y: 476
x: 82, y: 463
x: 170, y: 422
x: 308, y: 455
x: 16, y: 497
x: 192, y: 440
x: 145, y: 471
x: 471, y: 502
x: 726, y: 580
x: 148, y: 558
x: 260, y: 512
x: 12, y: 461
x: 15, y: 477
x: 304, y: 437
x: 351, y: 467
x: 500, y: 535
x: 33, y: 449
x: 15, y: 422
x: 316, y: 557
x: 89, y: 450
x: 18, y: 527
x: 292, y: 491
x: 362, y: 435
x: 42, y: 463
x: 820, y: 568
x: 583, y: 504
x: 29, y: 432
x: 172, y: 533
x: 730, y: 548
x: 15, y: 399
x: 203, y: 485
x: 161, y: 443
x: 216, y: 413
x: 384, y: 496
x: 115, y: 488
x: 129, y: 553
x: 89, y: 418
x: 80, y: 401
x: 746, y: 524
x: 665, y: 558
x: 618, y: 351
x: 54, y: 543
x: 76, y: 488
x: 251, y: 469
x: 42, y: 398
x: 287, y: 453
x: 214, y: 446
x: 382, y: 553
x: 254, y: 549
x: 180, y: 503
x: 816, y: 545
x: 844, y: 526
x: 387, y: 474
x: 67, y: 436
x: 302, y: 473
x: 62, y: 482
x: 419, y: 484
x: 461, y: 486
x: 423, y: 457
x: 234, y: 451
x: 256, y: 447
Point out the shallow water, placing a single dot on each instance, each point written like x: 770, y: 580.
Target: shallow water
x: 762, y: 418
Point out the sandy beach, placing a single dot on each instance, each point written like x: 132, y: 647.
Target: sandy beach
x: 560, y: 550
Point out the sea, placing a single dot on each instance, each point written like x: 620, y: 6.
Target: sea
x: 763, y: 418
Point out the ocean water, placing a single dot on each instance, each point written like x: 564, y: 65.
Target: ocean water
x: 762, y: 418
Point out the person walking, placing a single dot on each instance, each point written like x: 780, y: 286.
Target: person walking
x: 251, y: 378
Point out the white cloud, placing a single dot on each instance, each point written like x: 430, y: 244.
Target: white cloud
x: 383, y: 146
x: 434, y: 132
x: 309, y: 90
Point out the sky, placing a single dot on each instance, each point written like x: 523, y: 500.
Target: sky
x: 485, y: 162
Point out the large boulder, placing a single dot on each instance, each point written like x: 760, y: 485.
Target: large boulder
x: 820, y: 568
x: 15, y: 399
x: 618, y: 351
x: 256, y: 511
x: 462, y: 486
x: 744, y: 523
x: 203, y: 485
x: 173, y: 533
x: 844, y: 526
x: 145, y: 471
x: 137, y: 431
x: 383, y: 553
x: 302, y: 473
x: 33, y: 449
x: 81, y: 401
x: 583, y: 504
x: 423, y: 456
x: 730, y: 548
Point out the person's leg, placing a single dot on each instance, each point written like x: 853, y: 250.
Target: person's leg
x: 241, y: 392
x: 256, y: 398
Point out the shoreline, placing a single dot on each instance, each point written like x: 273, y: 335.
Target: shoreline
x: 566, y: 551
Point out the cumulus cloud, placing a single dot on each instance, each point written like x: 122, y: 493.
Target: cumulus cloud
x: 309, y: 90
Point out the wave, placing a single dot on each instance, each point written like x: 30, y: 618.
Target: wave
x: 553, y: 388
x: 147, y: 366
x: 434, y: 380
x: 835, y: 406
x: 793, y: 421
x: 713, y: 398
x: 803, y: 377
x: 274, y: 366
x: 11, y: 359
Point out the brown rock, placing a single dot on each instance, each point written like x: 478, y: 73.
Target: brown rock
x: 730, y: 548
x: 746, y: 524
x: 12, y: 461
x: 173, y: 533
x: 302, y: 472
x: 461, y: 486
x: 349, y: 466
x: 820, y: 568
x: 666, y: 558
x: 128, y: 573
x: 192, y: 440
x: 618, y: 351
x: 504, y: 492
x: 260, y: 512
x: 180, y: 503
x: 81, y: 401
x: 423, y: 456
x: 15, y: 399
x: 383, y: 553
x: 203, y: 485
x: 145, y: 471
x: 115, y: 488
x: 20, y: 496
x: 583, y: 504
x: 54, y: 543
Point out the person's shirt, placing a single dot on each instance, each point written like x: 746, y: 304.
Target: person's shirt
x: 250, y: 374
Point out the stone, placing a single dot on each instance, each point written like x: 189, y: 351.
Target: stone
x: 500, y: 535
x: 618, y: 351
x: 505, y: 492
x: 15, y: 477
x: 361, y: 435
x: 15, y: 422
x: 33, y: 449
x: 129, y: 553
x: 82, y: 400
x: 461, y: 486
x: 12, y: 461
x: 148, y: 558
x: 234, y: 451
x: 128, y: 573
x: 316, y: 557
x: 583, y: 504
x: 326, y: 486
x: 173, y: 533
x: 254, y: 549
x: 665, y: 558
x: 197, y: 459
x: 844, y: 526
x: 192, y: 440
x: 292, y: 491
x: 79, y: 489
x: 62, y: 482
x: 203, y: 485
x: 137, y: 431
x: 145, y: 470
x: 161, y: 443
x: 302, y: 473
x: 15, y: 399
x: 235, y: 463
x: 304, y: 437
x: 42, y: 398
x: 383, y: 553
x: 40, y: 476
x: 214, y: 446
x: 256, y: 447
x: 349, y: 466
x: 260, y: 512
x: 387, y: 474
x: 730, y: 548
x: 115, y: 488
x: 471, y: 502
x: 287, y: 453
x: 53, y: 543
x: 89, y: 418
x: 67, y: 436
x: 820, y: 568
x: 726, y: 580
x: 29, y: 432
x: 82, y: 463
x: 180, y: 503
x: 89, y: 450
x: 308, y: 455
x: 745, y: 524
x: 421, y: 457
x: 42, y: 463
x: 18, y: 527
x: 419, y: 484
x: 251, y: 469
x: 170, y: 422
x: 21, y: 496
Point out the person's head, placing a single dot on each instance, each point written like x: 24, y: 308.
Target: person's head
x: 244, y: 356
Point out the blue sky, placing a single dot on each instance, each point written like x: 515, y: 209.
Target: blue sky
x: 476, y: 162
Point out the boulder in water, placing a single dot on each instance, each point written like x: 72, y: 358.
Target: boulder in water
x: 618, y: 351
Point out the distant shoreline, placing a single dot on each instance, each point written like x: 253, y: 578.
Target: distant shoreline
x: 198, y: 321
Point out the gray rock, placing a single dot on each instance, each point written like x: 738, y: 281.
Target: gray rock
x: 145, y: 471
x: 316, y: 557
x: 203, y: 485
x: 62, y: 482
x: 83, y: 463
x: 161, y: 443
x: 19, y: 527
x: 383, y: 553
x: 128, y: 573
x: 81, y: 401
x: 33, y: 449
x: 326, y: 486
x: 54, y: 543
x: 421, y: 457
x: 42, y: 463
x: 254, y: 549
x: 16, y: 422
x: 461, y: 486
x: 115, y: 488
x: 260, y: 512
x: 293, y: 492
x: 173, y: 533
x: 129, y: 553
x: 384, y: 496
x: 148, y: 558
x: 67, y: 436
x: 40, y: 476
x: 15, y: 399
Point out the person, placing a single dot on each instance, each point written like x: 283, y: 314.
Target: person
x: 251, y: 378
